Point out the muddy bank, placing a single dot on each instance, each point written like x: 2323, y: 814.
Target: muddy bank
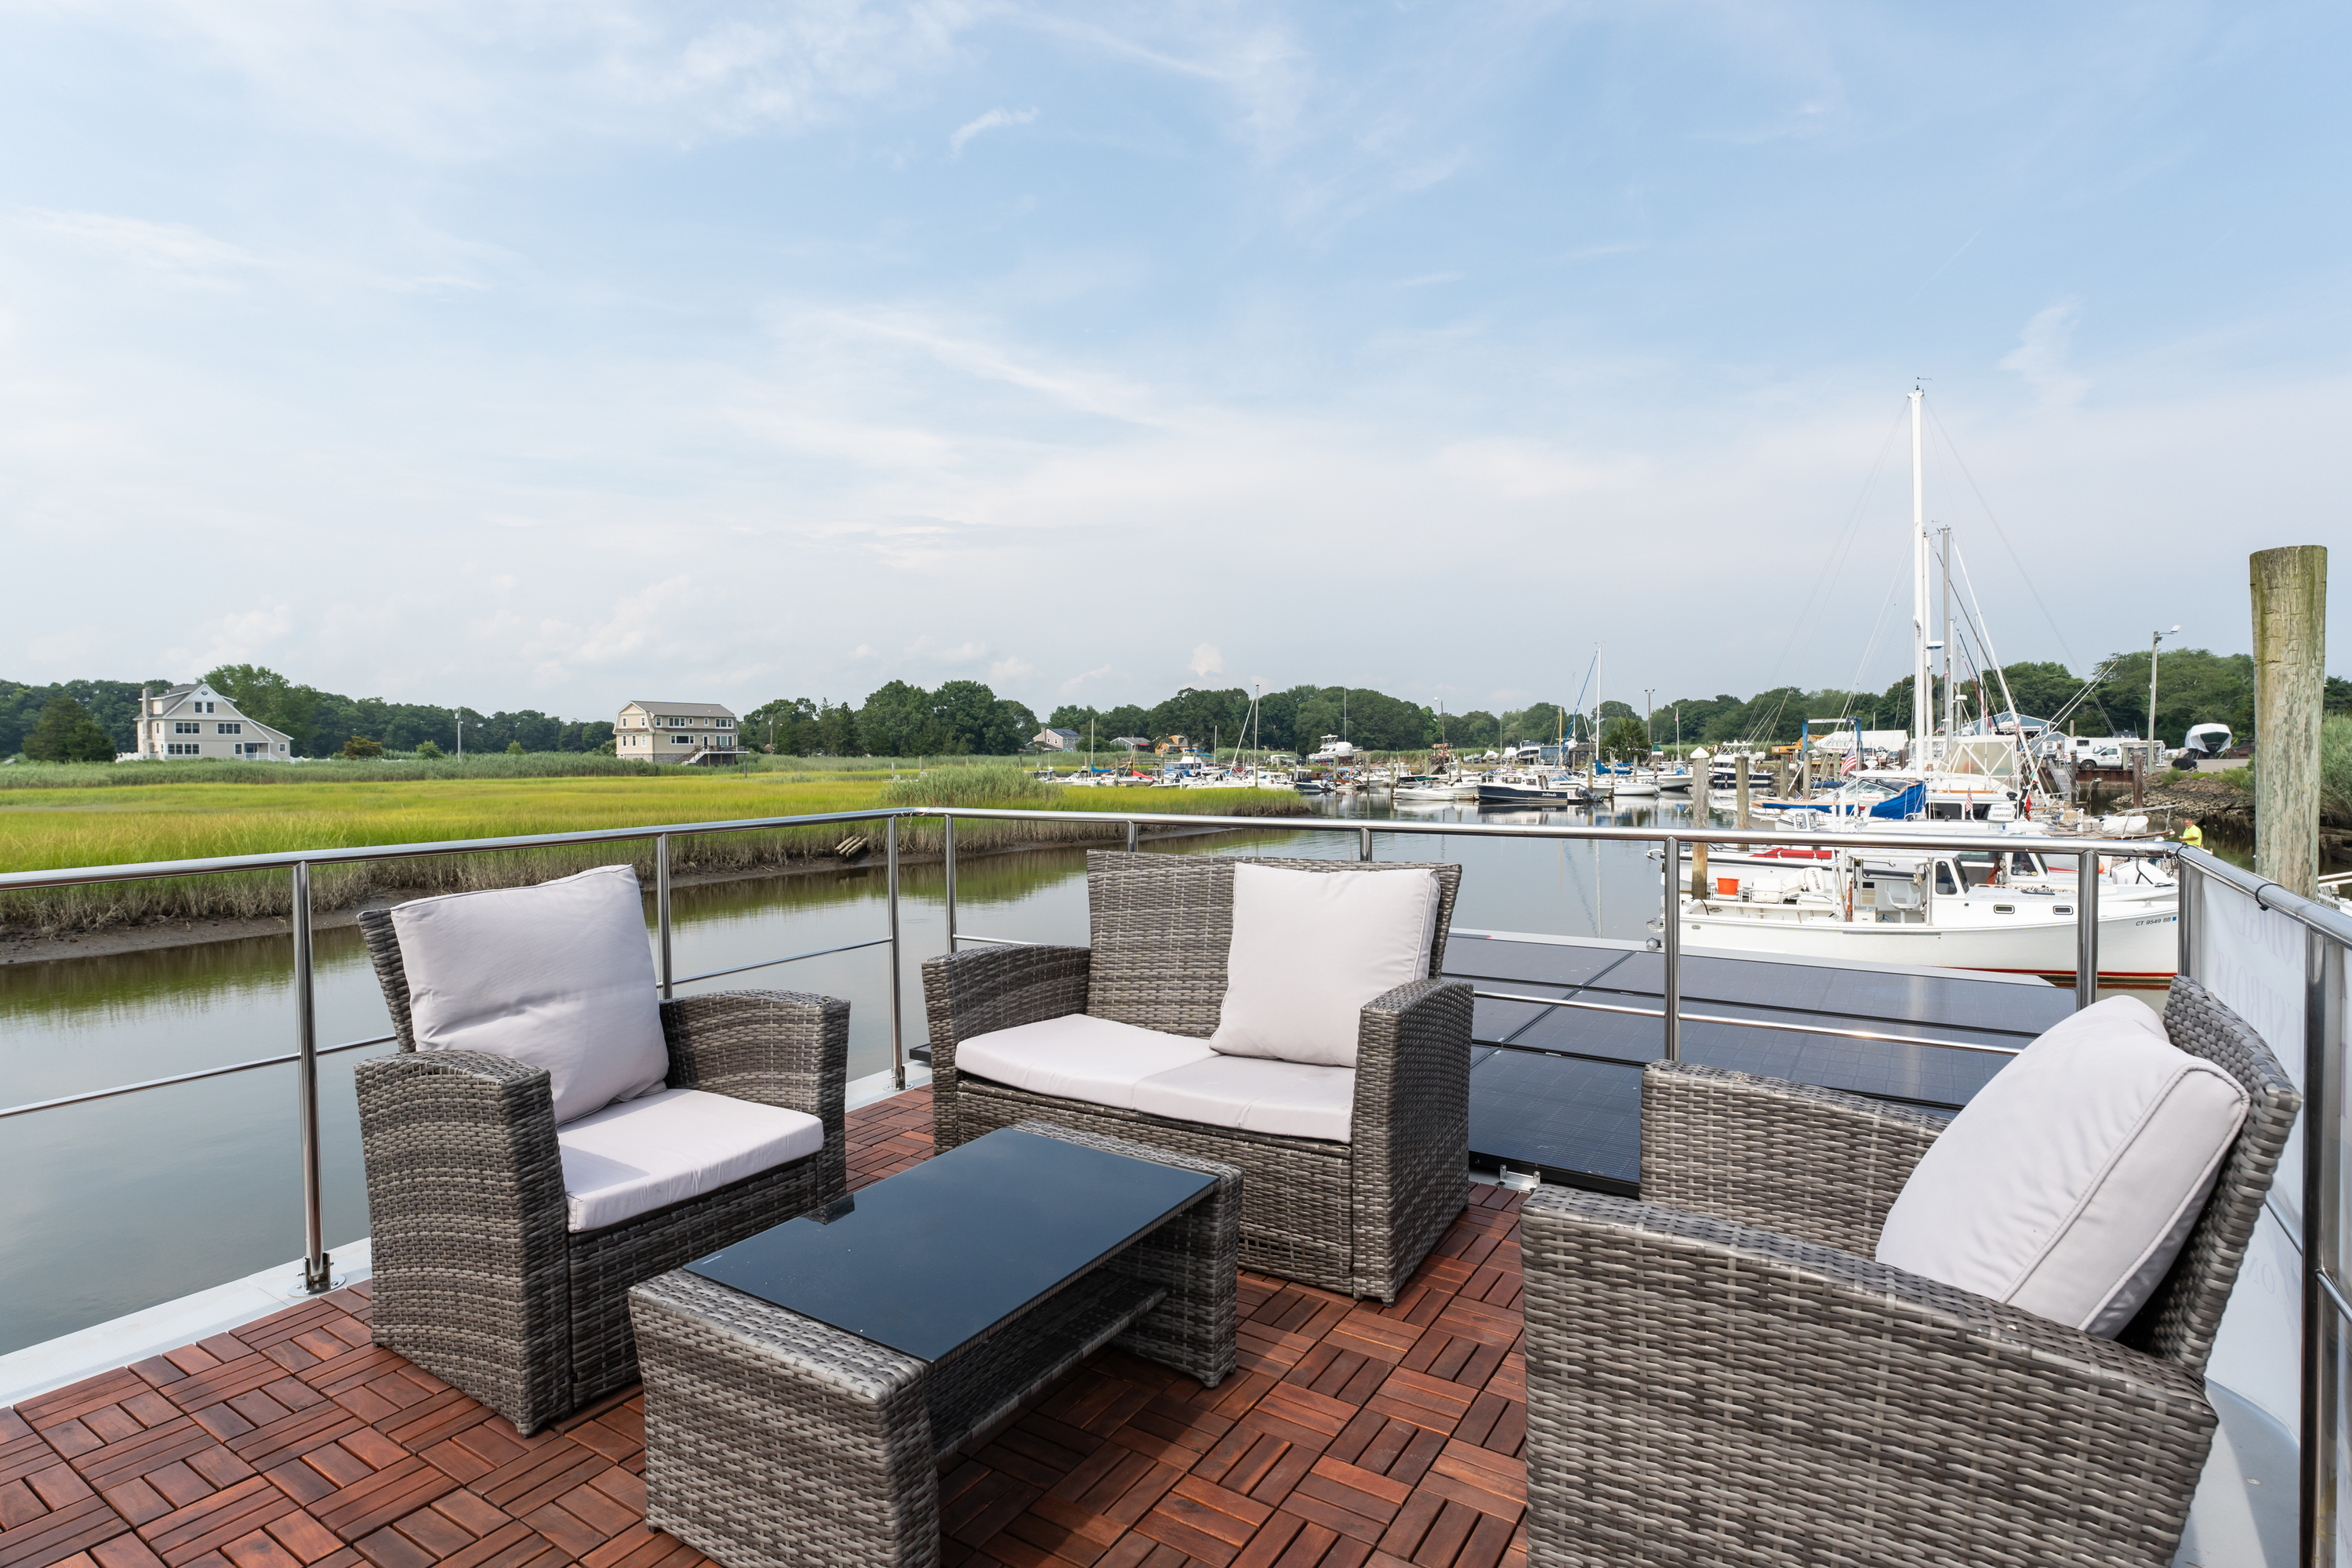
x: 20, y: 945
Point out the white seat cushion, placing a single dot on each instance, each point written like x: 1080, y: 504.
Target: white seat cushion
x: 1078, y: 1058
x: 2068, y: 1184
x: 1295, y: 1099
x: 559, y: 977
x: 639, y: 1155
x: 1310, y: 948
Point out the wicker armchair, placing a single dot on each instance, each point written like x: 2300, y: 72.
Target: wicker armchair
x: 1357, y: 1216
x: 478, y: 1279
x: 1721, y: 1374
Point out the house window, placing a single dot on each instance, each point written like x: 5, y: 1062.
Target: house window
x: 231, y: 729
x: 182, y: 749
x: 681, y: 740
x: 186, y: 727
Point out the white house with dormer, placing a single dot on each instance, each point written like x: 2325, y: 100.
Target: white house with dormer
x: 695, y: 732
x: 197, y: 721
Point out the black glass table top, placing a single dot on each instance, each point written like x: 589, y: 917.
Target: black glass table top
x: 926, y: 1259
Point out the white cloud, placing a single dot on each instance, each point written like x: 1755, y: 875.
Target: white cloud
x: 1207, y: 661
x: 995, y: 119
x: 1070, y: 688
x: 2041, y: 355
x: 1009, y: 670
x: 241, y: 636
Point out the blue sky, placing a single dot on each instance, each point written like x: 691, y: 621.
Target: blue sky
x: 551, y: 354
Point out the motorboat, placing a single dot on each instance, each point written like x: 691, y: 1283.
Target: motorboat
x: 1423, y: 786
x: 2004, y: 907
x: 1527, y: 786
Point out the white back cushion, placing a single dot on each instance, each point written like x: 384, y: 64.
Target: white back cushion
x: 638, y: 1155
x: 1310, y: 948
x: 559, y: 977
x: 2068, y: 1184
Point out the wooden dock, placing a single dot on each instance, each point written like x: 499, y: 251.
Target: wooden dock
x: 1351, y: 1435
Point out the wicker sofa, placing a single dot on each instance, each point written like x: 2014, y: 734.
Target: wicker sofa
x: 477, y: 1279
x: 1357, y: 1215
x: 1720, y: 1373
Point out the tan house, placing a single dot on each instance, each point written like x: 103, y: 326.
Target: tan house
x: 197, y: 721
x: 692, y: 732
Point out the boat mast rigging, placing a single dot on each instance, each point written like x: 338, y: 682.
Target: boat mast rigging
x: 1922, y: 718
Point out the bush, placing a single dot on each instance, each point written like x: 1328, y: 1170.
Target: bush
x: 359, y: 747
x: 429, y: 752
x: 514, y: 748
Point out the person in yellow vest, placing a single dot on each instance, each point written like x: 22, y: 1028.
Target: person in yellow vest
x: 2190, y: 833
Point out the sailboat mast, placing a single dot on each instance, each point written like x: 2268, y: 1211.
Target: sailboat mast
x: 1921, y: 713
x: 1952, y: 685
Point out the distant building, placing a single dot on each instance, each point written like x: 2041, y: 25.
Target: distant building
x: 690, y: 732
x: 197, y: 721
x: 1132, y: 742
x: 1057, y: 740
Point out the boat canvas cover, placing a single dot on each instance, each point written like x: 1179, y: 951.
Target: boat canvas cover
x: 1911, y: 802
x: 1983, y: 754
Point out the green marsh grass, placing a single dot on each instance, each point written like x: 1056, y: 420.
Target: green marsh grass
x: 75, y: 825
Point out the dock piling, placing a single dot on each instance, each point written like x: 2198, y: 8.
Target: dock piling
x: 2290, y: 603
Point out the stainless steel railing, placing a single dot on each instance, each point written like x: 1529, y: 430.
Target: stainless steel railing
x: 2325, y: 1249
x: 299, y: 865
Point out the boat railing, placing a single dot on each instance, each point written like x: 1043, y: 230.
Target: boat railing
x: 2278, y: 958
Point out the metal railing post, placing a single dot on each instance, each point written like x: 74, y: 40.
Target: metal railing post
x: 2190, y: 880
x: 1363, y: 844
x: 947, y: 848
x: 1134, y: 836
x: 2086, y: 929
x: 1670, y: 946
x: 897, y: 1035
x: 661, y: 906
x: 317, y: 1275
x: 2318, y: 1509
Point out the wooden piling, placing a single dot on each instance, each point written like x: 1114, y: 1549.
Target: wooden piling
x: 2290, y: 600
x: 1739, y: 797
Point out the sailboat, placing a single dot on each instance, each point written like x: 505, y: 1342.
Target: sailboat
x: 2005, y: 907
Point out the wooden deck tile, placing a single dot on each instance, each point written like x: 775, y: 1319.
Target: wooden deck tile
x: 1351, y: 1436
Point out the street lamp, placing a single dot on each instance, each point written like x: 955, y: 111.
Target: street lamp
x: 2154, y: 643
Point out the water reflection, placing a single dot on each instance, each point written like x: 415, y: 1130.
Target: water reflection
x: 122, y: 1203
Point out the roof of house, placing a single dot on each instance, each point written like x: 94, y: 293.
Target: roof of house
x: 695, y: 709
x: 1073, y: 734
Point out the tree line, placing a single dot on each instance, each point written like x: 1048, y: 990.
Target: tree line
x: 317, y: 723
x: 966, y: 718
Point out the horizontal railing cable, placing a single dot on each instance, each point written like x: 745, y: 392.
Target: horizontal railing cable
x: 795, y: 958
x: 287, y: 1059
x: 1690, y: 1017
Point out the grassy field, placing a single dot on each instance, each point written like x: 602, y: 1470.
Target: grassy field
x: 77, y: 826
x: 410, y: 770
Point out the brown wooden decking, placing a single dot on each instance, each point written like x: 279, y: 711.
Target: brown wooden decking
x: 1351, y: 1433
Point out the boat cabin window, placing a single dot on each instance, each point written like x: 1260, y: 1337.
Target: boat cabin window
x: 1944, y: 883
x: 1978, y: 868
x: 2020, y: 863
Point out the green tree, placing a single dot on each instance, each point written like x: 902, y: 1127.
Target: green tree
x: 67, y: 733
x: 269, y: 697
x: 1623, y: 739
x: 514, y: 748
x: 429, y: 752
x: 360, y: 746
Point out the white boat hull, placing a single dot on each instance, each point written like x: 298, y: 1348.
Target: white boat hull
x: 2138, y: 946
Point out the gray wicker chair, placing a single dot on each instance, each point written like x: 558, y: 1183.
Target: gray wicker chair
x: 1357, y: 1216
x: 478, y: 1279
x: 1722, y: 1375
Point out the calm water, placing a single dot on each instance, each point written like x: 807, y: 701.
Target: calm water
x: 123, y: 1202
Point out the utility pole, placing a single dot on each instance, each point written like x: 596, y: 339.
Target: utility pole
x: 2289, y: 594
x: 2154, y: 643
x: 459, y: 715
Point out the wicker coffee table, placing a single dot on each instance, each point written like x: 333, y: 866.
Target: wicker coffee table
x: 802, y: 1386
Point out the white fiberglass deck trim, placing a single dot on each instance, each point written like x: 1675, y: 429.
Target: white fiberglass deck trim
x: 119, y: 1342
